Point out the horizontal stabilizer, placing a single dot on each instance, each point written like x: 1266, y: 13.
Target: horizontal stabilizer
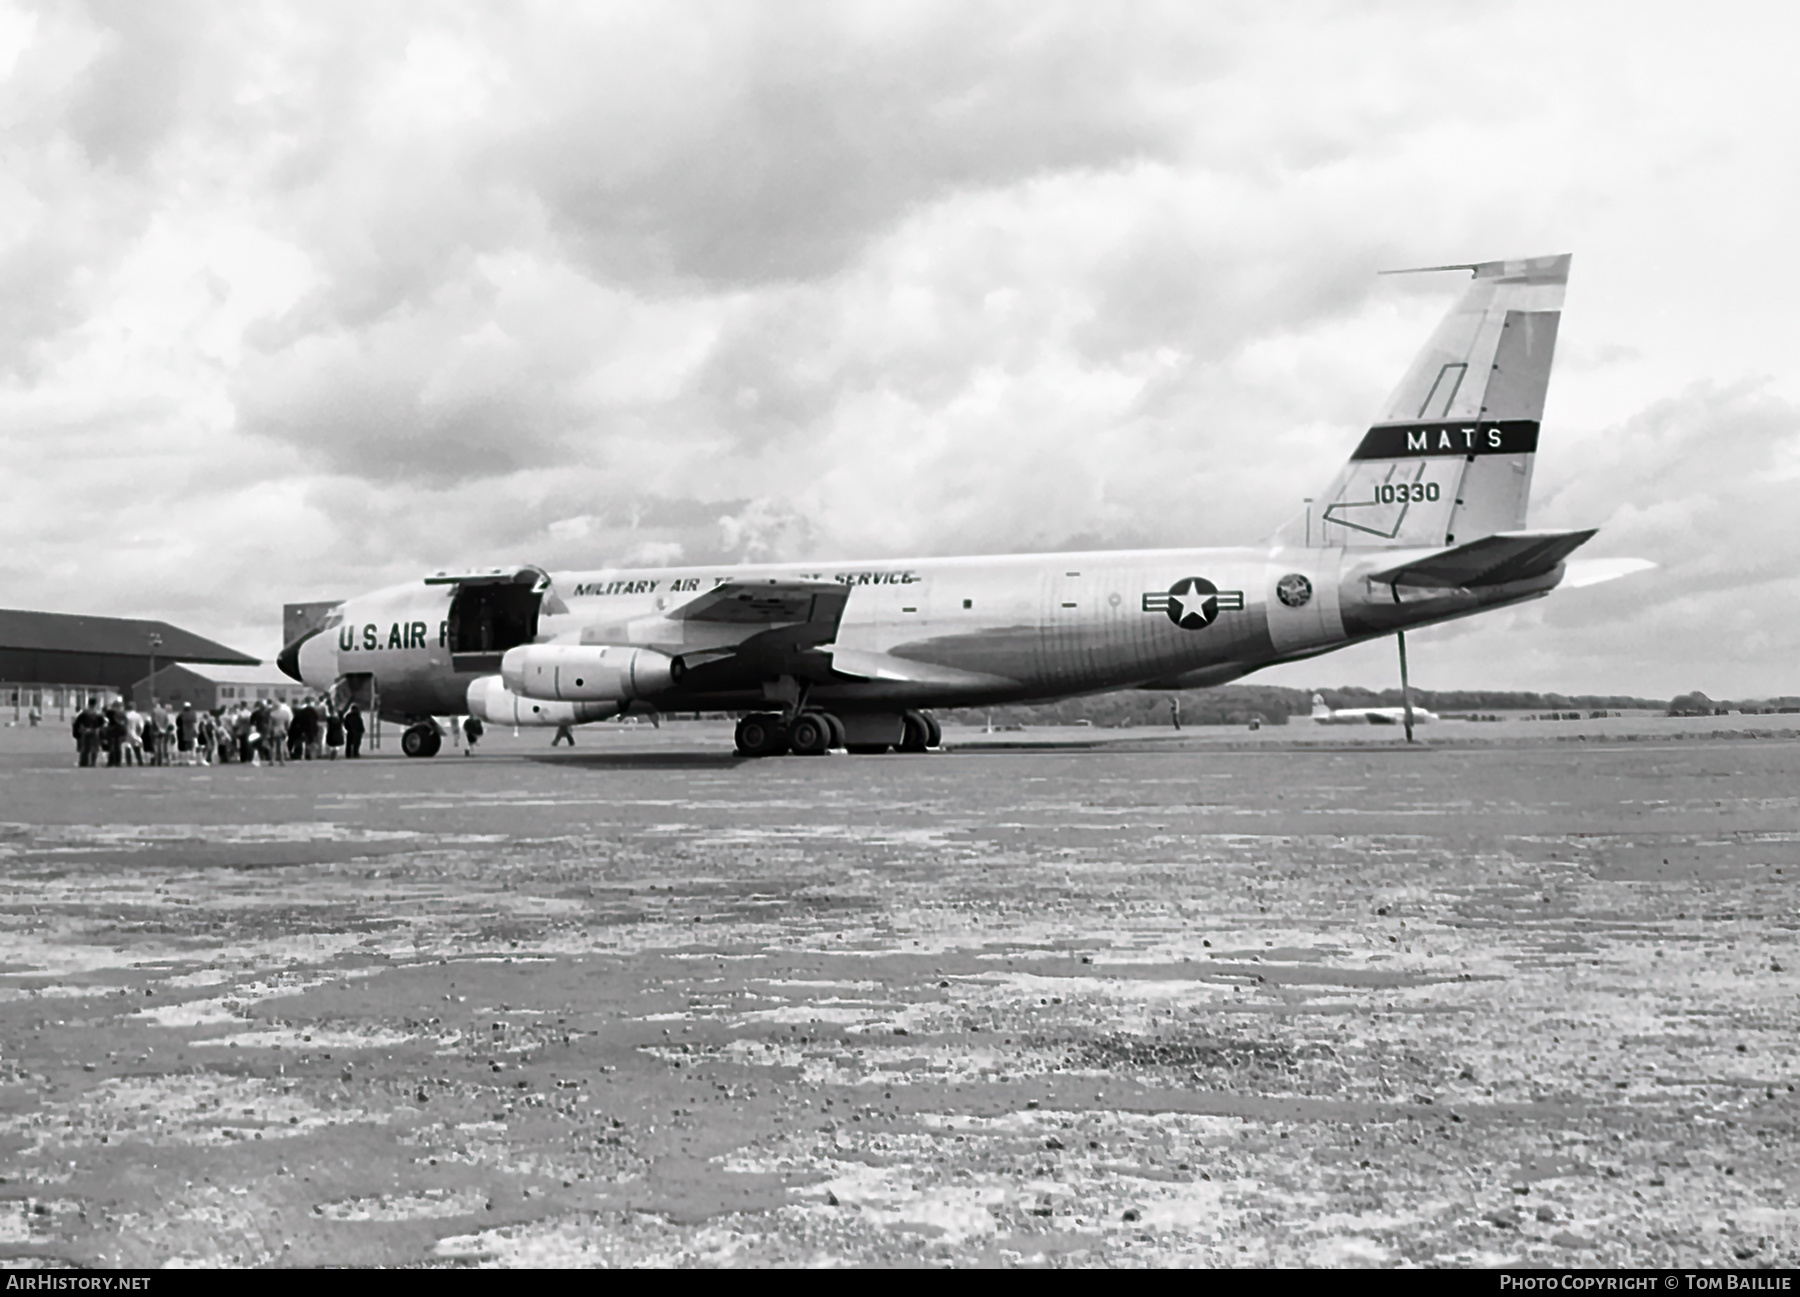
x: 1499, y: 559
x: 1593, y: 571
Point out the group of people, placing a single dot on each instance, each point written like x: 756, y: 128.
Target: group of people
x: 251, y: 733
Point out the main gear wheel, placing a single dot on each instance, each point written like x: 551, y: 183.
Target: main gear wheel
x: 761, y: 734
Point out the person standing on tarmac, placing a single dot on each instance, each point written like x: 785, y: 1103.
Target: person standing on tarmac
x: 281, y: 717
x: 187, y: 733
x: 116, y: 733
x: 563, y: 732
x: 243, y: 733
x: 133, y: 747
x: 162, y: 734
x: 259, y: 731
x: 353, y: 731
x: 472, y: 731
x: 90, y: 732
x: 307, y: 732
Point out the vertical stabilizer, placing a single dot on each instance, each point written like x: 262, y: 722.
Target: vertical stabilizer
x: 1450, y: 459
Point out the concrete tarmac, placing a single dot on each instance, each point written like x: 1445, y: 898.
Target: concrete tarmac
x: 1308, y: 996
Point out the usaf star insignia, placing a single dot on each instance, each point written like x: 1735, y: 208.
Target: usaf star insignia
x: 1293, y: 590
x: 1193, y: 602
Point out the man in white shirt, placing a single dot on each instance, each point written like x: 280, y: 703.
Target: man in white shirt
x: 281, y: 716
x: 134, y: 736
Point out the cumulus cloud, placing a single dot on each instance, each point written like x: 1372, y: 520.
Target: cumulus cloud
x: 297, y: 301
x: 736, y: 146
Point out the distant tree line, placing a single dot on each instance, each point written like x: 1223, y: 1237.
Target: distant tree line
x: 1698, y: 704
x: 1273, y: 704
x: 1226, y: 705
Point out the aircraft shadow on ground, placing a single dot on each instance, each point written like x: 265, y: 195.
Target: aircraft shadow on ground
x: 642, y: 760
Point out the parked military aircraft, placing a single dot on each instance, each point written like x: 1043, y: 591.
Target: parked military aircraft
x: 1323, y: 715
x: 1425, y: 522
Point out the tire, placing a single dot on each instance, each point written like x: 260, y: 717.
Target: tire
x: 421, y: 741
x: 837, y: 729
x: 761, y: 735
x: 809, y: 735
x: 916, y: 734
x: 748, y: 735
x: 934, y: 736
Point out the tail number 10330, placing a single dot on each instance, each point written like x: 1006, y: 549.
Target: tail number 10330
x: 1406, y: 492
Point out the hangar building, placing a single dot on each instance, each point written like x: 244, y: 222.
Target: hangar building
x: 53, y: 660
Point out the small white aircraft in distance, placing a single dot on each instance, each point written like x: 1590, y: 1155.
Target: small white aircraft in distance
x: 1324, y: 715
x: 1425, y: 522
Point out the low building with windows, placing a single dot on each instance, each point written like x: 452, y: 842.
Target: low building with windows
x: 208, y: 686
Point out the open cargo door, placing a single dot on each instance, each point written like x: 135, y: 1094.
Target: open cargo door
x: 493, y: 611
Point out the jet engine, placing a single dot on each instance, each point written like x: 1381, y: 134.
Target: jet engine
x: 612, y: 673
x: 493, y: 702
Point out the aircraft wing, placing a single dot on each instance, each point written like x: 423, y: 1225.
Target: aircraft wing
x: 1492, y: 560
x: 766, y: 603
x: 755, y: 630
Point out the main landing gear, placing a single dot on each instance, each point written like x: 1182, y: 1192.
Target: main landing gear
x: 814, y: 733
x: 422, y: 740
x: 920, y: 732
x: 762, y: 734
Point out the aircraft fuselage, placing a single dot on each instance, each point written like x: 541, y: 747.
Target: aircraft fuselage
x: 940, y: 632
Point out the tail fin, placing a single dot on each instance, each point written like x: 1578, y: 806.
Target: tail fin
x: 1450, y: 459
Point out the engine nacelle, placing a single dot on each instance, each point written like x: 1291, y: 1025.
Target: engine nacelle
x: 493, y: 702
x: 614, y: 673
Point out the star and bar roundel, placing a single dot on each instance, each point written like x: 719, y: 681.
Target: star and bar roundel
x: 1194, y: 602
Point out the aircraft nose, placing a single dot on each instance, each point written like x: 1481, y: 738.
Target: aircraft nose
x: 289, y: 658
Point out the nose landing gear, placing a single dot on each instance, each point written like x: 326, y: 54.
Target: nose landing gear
x: 421, y: 740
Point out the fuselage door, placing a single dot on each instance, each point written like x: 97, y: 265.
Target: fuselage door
x: 492, y: 612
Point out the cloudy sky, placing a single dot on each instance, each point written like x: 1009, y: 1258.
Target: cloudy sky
x: 301, y: 299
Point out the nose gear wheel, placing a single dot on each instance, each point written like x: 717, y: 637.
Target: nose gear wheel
x: 422, y: 740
